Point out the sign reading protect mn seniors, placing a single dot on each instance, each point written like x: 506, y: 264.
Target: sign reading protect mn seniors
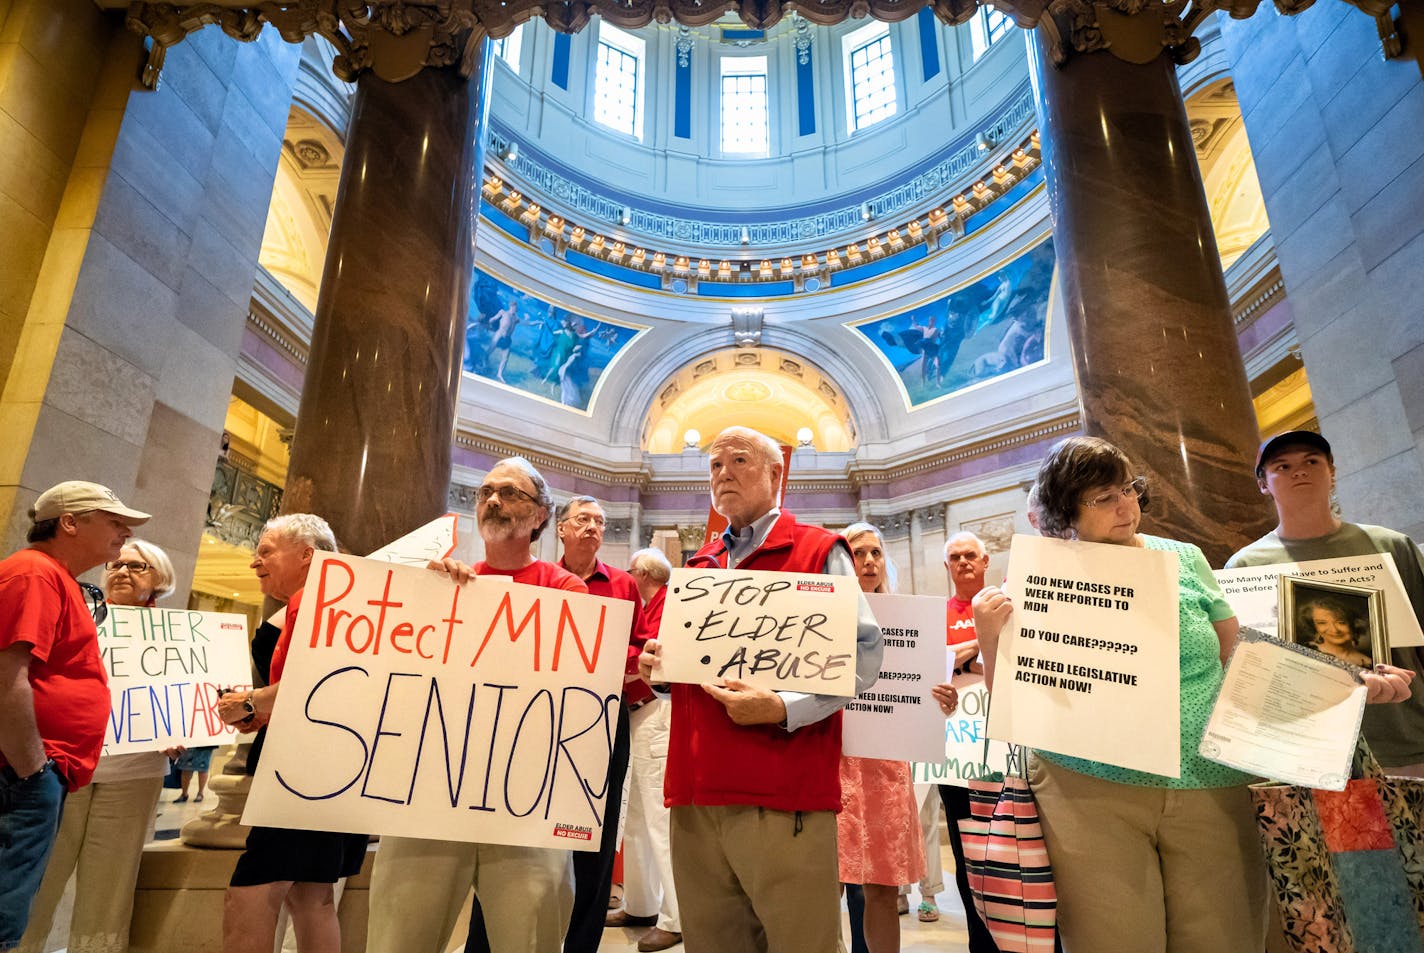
x: 416, y: 707
x: 776, y: 630
x: 165, y: 667
x: 1089, y: 664
x: 896, y: 718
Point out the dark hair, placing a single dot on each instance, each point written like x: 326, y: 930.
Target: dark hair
x: 1073, y: 467
x: 43, y: 531
x: 1342, y: 609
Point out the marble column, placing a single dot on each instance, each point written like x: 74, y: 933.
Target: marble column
x: 373, y: 436
x: 1154, y: 346
x: 917, y: 555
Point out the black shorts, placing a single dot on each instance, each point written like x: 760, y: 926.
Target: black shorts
x: 276, y: 853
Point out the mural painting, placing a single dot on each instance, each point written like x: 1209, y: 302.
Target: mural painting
x: 991, y: 327
x: 519, y: 340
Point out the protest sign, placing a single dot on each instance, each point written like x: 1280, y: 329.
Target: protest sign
x: 896, y: 718
x: 965, y: 737
x: 417, y: 707
x: 1253, y: 591
x: 165, y: 667
x: 1089, y: 664
x: 1286, y: 713
x: 775, y: 630
x: 431, y: 542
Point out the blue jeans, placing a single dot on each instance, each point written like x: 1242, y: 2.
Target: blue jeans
x: 29, y: 821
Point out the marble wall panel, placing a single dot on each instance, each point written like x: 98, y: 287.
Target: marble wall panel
x: 1390, y: 220
x: 121, y: 402
x: 209, y: 312
x: 154, y: 241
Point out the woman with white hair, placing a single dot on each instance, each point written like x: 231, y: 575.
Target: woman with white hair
x: 878, y: 828
x: 105, y: 824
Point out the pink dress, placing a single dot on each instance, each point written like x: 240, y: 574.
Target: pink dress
x: 878, y: 828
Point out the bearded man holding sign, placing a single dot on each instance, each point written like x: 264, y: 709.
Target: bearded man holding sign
x: 752, y: 774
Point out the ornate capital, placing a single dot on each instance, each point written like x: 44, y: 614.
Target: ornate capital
x: 395, y: 40
x: 1136, y: 31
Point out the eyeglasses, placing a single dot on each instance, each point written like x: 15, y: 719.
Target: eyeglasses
x: 584, y: 520
x: 1113, y: 497
x: 132, y: 565
x: 98, y: 608
x: 965, y: 557
x: 507, y: 494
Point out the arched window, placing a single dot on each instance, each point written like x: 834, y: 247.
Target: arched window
x: 745, y: 125
x: 510, y: 47
x: 870, y: 75
x: 618, y: 80
x: 987, y: 28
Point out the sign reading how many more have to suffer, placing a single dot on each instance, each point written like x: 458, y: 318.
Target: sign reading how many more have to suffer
x: 165, y: 667
x: 1089, y: 663
x: 777, y: 630
x: 416, y: 707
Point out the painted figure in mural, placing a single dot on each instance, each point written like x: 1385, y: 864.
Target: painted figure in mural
x: 566, y: 360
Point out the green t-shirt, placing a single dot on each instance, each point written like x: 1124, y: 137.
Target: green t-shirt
x: 1395, y: 732
x: 1199, y: 603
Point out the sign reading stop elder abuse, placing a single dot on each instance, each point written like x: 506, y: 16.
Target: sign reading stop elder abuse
x: 777, y: 630
x: 1088, y: 665
x: 416, y: 707
x: 896, y: 718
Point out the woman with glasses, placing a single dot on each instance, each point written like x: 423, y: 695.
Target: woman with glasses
x: 104, y: 825
x: 1142, y: 863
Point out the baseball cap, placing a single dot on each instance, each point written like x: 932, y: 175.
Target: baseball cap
x: 1292, y: 438
x: 77, y: 496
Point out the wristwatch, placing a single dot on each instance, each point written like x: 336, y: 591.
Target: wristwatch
x: 247, y: 705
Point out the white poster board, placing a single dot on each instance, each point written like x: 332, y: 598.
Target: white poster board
x: 965, y: 735
x: 896, y: 718
x: 1089, y: 664
x: 775, y: 630
x: 165, y: 667
x: 431, y: 542
x: 1252, y: 591
x: 1285, y: 713
x: 416, y: 707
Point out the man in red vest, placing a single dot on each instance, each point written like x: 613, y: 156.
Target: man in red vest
x: 753, y: 775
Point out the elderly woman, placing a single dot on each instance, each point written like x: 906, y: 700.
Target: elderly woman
x: 105, y: 824
x: 878, y: 828
x: 1143, y: 863
x: 292, y: 866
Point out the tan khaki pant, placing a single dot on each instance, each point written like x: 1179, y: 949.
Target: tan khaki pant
x: 747, y: 882
x: 418, y: 887
x: 100, y: 840
x: 1151, y: 870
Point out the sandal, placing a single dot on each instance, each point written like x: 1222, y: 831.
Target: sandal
x: 180, y: 799
x: 198, y: 799
x: 928, y: 912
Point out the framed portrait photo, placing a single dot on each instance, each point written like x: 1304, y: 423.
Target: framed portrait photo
x: 1344, y: 622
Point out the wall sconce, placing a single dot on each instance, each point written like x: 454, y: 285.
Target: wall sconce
x: 985, y: 141
x: 704, y: 268
x: 576, y: 236
x: 746, y: 236
x: 809, y: 261
x: 804, y: 436
x: 833, y: 259
x: 786, y: 266
x: 638, y: 256
x: 866, y: 211
x: 765, y: 270
x: 724, y: 270
x: 511, y: 153
x: 625, y: 215
x: 691, y: 440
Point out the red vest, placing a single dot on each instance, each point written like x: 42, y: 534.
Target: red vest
x: 713, y: 761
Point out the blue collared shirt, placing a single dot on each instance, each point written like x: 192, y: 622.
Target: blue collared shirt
x: 804, y: 708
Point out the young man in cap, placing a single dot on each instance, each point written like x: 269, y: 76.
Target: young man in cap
x: 54, y: 697
x: 1297, y: 471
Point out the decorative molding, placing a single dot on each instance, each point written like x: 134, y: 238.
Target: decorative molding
x: 865, y: 475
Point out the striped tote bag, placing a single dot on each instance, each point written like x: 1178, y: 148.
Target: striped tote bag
x: 1006, y: 862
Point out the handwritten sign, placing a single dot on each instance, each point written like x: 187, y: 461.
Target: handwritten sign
x: 416, y: 707
x: 965, y: 735
x: 776, y: 630
x: 1286, y: 713
x: 165, y: 667
x: 1252, y: 591
x: 1089, y: 665
x: 895, y: 718
x: 433, y: 541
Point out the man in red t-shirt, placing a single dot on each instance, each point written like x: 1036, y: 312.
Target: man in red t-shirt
x: 967, y: 561
x: 54, y: 696
x: 523, y: 895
